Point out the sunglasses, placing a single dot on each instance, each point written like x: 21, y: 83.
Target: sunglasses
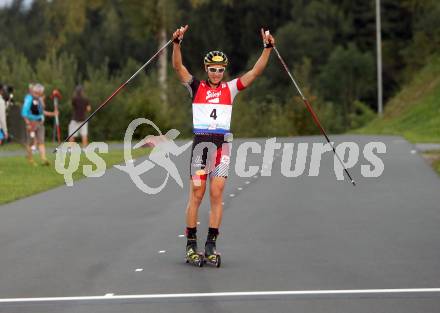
x: 216, y: 69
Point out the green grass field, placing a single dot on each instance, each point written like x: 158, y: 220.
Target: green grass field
x: 19, y: 179
x: 433, y: 158
x: 413, y: 113
x: 16, y: 146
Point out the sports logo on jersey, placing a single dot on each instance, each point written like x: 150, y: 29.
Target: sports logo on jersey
x: 213, y: 97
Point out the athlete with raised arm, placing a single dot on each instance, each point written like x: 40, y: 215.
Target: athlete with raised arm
x: 212, y: 101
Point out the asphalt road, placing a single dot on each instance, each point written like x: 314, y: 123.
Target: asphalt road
x: 104, y: 236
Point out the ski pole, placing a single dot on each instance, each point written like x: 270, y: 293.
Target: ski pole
x: 116, y: 92
x: 312, y: 112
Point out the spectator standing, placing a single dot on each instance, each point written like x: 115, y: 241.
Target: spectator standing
x: 81, y: 106
x: 33, y: 113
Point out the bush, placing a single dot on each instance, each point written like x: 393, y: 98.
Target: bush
x: 361, y: 115
x: 346, y: 77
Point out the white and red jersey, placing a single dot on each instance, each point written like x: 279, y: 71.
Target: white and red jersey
x: 212, y: 107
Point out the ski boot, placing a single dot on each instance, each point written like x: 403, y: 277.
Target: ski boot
x: 192, y: 256
x: 211, y: 255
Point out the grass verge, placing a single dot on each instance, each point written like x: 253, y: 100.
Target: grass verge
x: 433, y: 158
x: 415, y: 111
x: 19, y: 179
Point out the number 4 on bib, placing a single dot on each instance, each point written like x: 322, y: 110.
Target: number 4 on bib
x: 214, y: 114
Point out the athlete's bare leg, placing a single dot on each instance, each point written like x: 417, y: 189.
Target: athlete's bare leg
x: 196, y: 193
x: 216, y: 187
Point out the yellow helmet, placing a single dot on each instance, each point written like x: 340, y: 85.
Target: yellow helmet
x: 215, y: 58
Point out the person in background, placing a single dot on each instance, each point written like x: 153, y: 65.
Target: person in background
x: 3, y: 126
x: 81, y: 106
x: 33, y: 112
x: 32, y: 142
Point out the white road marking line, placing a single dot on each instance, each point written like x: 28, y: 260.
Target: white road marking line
x: 181, y: 236
x: 232, y: 195
x: 240, y: 188
x: 109, y: 295
x: 225, y: 294
x: 139, y: 270
x: 161, y: 251
x: 413, y: 151
x: 247, y: 182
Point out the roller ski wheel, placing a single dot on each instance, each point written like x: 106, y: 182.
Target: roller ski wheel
x: 211, y: 255
x: 196, y: 260
x: 193, y: 257
x: 214, y: 259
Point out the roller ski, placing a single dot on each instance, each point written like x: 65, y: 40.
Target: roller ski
x: 192, y: 256
x: 212, y: 257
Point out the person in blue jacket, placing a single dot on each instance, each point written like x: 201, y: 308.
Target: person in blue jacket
x: 33, y: 112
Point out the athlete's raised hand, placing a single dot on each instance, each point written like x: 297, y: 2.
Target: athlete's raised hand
x: 178, y: 34
x: 182, y: 72
x: 268, y: 40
